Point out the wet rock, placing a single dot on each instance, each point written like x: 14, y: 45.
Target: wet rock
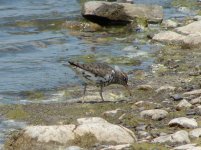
x: 101, y: 130
x: 195, y: 133
x: 180, y: 137
x: 176, y: 97
x: 111, y: 113
x: 117, y: 147
x: 196, y: 100
x: 169, y: 36
x: 155, y: 114
x: 183, y: 104
x: 188, y: 147
x: 183, y: 122
x: 194, y: 92
x: 145, y: 87
x: 192, y: 28
x: 169, y: 24
x: 166, y: 88
x: 106, y: 13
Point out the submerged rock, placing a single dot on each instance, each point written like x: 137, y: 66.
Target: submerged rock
x: 183, y: 122
x: 91, y: 129
x: 106, y: 13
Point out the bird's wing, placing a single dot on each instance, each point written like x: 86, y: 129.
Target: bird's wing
x: 98, y: 69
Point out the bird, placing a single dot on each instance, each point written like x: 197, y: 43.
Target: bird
x: 100, y: 75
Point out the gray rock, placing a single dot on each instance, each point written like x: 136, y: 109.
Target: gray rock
x: 183, y: 104
x: 188, y: 147
x: 169, y: 24
x: 180, y: 137
x: 111, y: 113
x: 196, y: 100
x: 177, y: 97
x: 117, y: 147
x: 194, y: 92
x: 166, y: 88
x: 195, y: 133
x: 73, y: 148
x: 120, y: 13
x: 143, y: 135
x: 183, y: 122
x: 155, y: 114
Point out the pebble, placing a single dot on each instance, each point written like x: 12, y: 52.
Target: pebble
x: 155, y: 114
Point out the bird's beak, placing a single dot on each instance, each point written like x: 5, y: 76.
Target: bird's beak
x: 128, y: 89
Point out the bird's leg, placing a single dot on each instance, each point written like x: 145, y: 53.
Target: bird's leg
x: 101, y: 91
x: 85, y: 88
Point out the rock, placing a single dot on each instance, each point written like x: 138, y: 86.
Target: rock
x: 192, y: 28
x: 198, y: 110
x: 183, y: 122
x: 194, y: 92
x: 192, y: 40
x: 111, y: 113
x: 117, y: 147
x: 169, y: 36
x: 106, y: 13
x: 195, y: 133
x: 166, y: 88
x: 169, y: 24
x: 176, y: 97
x: 73, y: 148
x: 197, y: 18
x: 63, y: 135
x: 196, y: 100
x: 155, y: 114
x: 188, y: 147
x: 183, y: 104
x: 180, y: 137
x: 144, y: 87
x: 143, y: 135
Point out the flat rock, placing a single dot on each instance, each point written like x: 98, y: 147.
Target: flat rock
x: 168, y: 36
x: 192, y: 28
x: 188, y: 147
x: 183, y: 104
x: 117, y: 147
x: 169, y: 24
x: 166, y: 88
x: 105, y: 13
x: 179, y: 137
x: 183, y: 122
x: 195, y: 133
x: 111, y: 113
x: 63, y: 135
x: 194, y: 92
x: 155, y: 114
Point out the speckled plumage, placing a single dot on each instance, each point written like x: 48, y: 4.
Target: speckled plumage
x: 99, y: 74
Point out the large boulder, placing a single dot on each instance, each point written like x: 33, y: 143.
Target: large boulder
x: 106, y: 13
x: 59, y: 136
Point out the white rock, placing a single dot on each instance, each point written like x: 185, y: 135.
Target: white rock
x: 195, y: 133
x: 169, y: 23
x: 192, y: 40
x: 57, y: 133
x: 73, y: 148
x: 196, y: 100
x: 168, y: 36
x: 198, y: 18
x: 184, y: 104
x: 166, y: 87
x: 155, y: 114
x: 111, y: 113
x: 180, y: 137
x: 117, y: 147
x: 106, y: 132
x: 184, y: 122
x: 194, y: 92
x: 188, y: 147
x: 192, y: 28
x: 91, y: 120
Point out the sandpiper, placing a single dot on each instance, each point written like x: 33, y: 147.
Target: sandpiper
x: 99, y: 74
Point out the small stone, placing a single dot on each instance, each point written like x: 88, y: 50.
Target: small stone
x: 155, y: 114
x: 169, y: 23
x: 176, y: 97
x: 141, y: 127
x: 196, y: 100
x: 180, y: 137
x: 194, y: 92
x: 145, y: 87
x: 183, y: 104
x: 143, y: 134
x: 166, y: 88
x: 195, y: 133
x: 111, y: 113
x: 183, y: 122
x: 188, y: 147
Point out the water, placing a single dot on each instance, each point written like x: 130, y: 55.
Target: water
x: 33, y: 50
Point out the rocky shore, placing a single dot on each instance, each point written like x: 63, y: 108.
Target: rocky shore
x: 164, y: 111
